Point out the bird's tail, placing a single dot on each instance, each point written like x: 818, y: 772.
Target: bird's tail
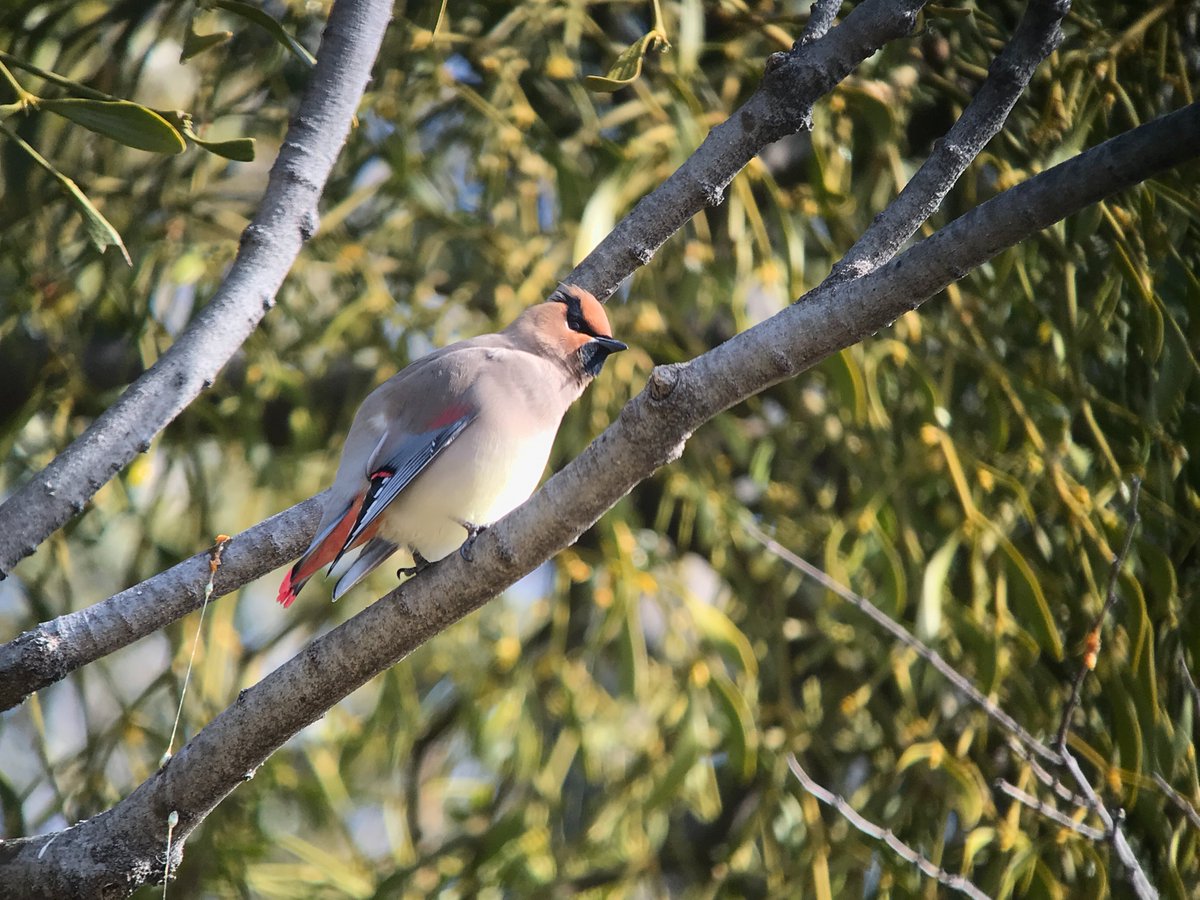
x: 324, y: 549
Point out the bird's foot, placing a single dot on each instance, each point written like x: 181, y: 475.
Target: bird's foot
x: 473, y: 531
x: 420, y: 564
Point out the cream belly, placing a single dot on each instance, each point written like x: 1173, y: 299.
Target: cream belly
x: 477, y: 479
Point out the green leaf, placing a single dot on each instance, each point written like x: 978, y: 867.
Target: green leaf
x: 1126, y: 728
x: 1030, y: 601
x: 99, y: 229
x: 194, y: 44
x: 256, y: 16
x: 127, y: 123
x: 237, y: 149
x: 933, y: 583
x: 741, y: 737
x: 628, y: 66
x: 719, y: 630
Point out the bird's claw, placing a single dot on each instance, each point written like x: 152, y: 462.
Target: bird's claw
x: 473, y: 531
x: 420, y: 564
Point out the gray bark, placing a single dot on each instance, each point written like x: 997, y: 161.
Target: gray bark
x: 124, y: 846
x: 781, y: 106
x: 286, y: 218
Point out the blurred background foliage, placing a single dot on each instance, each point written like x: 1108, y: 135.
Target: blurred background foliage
x: 618, y: 723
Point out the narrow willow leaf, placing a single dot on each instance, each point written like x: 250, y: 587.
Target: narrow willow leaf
x: 741, y: 737
x: 1033, y: 611
x: 256, y: 16
x: 718, y: 629
x: 127, y: 123
x: 237, y: 149
x: 99, y: 229
x: 628, y: 66
x: 683, y: 754
x: 933, y: 584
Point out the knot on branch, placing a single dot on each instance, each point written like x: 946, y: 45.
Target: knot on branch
x: 713, y: 194
x: 662, y: 382
x: 641, y: 254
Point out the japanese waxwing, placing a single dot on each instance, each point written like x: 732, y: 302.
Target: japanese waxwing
x: 455, y: 440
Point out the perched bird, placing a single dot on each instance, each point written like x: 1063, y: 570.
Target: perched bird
x: 455, y: 440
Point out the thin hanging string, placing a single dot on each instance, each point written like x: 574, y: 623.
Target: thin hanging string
x: 214, y: 563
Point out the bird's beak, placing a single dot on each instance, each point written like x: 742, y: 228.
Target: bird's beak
x: 610, y: 345
x: 593, y: 354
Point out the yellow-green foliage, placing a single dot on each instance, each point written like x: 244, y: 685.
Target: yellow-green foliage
x: 619, y: 723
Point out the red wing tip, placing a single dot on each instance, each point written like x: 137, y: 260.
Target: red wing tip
x: 287, y: 594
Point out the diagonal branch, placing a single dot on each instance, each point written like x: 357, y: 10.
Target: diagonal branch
x: 782, y: 105
x: 1137, y: 876
x: 286, y: 218
x: 1037, y: 36
x: 55, y: 649
x: 923, y: 863
x: 1049, y: 812
x: 123, y: 845
x: 39, y: 658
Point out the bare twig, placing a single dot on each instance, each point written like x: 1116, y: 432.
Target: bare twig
x: 286, y: 218
x: 1047, y: 778
x: 1044, y: 809
x: 1093, y: 634
x: 1137, y: 877
x: 926, y: 866
x: 1036, y: 37
x: 905, y: 637
x: 1180, y: 801
x: 1190, y: 682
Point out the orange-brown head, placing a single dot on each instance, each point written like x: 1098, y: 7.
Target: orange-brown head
x: 571, y: 327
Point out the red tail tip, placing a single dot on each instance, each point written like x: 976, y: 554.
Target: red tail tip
x: 287, y: 594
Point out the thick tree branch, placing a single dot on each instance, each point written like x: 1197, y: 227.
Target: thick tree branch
x: 50, y: 652
x: 782, y: 105
x: 40, y: 657
x: 1037, y: 36
x: 123, y: 847
x: 286, y: 218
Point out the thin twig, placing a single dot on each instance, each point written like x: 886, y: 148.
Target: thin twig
x: 955, y: 882
x: 1189, y: 811
x: 902, y: 634
x: 1045, y: 809
x: 1093, y: 635
x: 1191, y: 685
x: 1048, y: 778
x: 1137, y: 876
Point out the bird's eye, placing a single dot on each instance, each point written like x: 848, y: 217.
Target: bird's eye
x: 575, y: 318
